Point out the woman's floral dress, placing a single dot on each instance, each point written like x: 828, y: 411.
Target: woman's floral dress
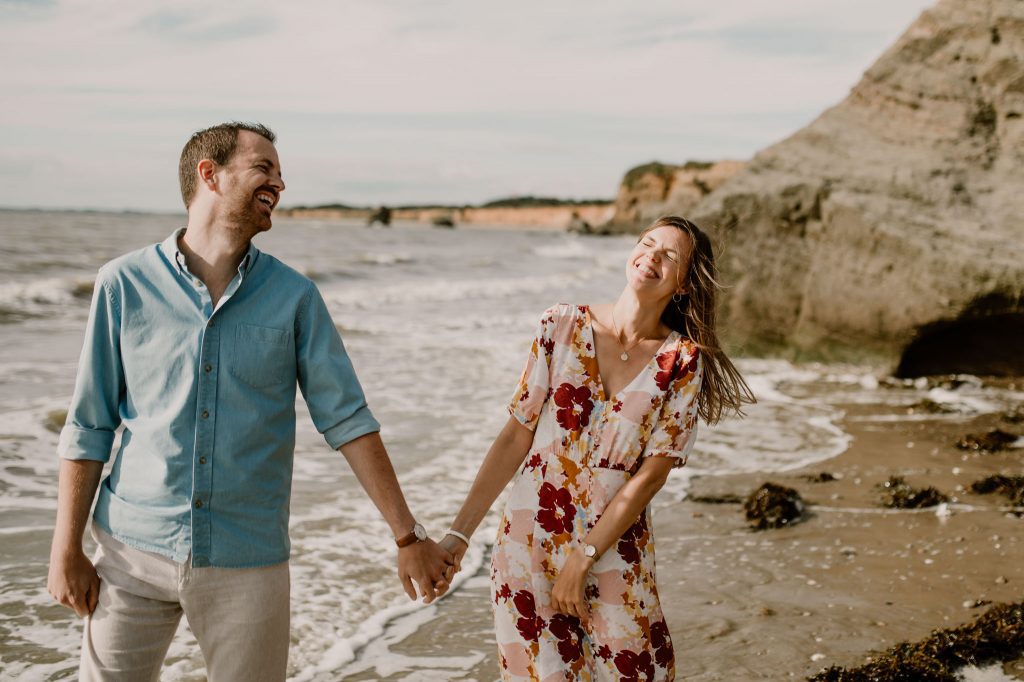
x: 586, y: 445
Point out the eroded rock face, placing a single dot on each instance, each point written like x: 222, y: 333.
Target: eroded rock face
x: 655, y: 189
x: 895, y: 221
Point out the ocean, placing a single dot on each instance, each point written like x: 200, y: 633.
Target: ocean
x: 438, y: 323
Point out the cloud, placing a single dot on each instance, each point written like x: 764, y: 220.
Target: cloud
x: 455, y: 99
x: 192, y: 27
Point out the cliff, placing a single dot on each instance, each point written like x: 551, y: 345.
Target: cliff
x: 893, y: 225
x: 656, y: 189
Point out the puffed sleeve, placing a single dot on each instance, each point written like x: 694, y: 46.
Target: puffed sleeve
x: 675, y: 431
x: 535, y: 382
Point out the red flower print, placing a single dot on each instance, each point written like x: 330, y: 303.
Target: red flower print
x: 529, y: 624
x: 666, y: 361
x: 503, y: 594
x: 570, y: 636
x: 533, y: 462
x: 556, y: 509
x: 629, y: 543
x: 663, y: 652
x: 604, y: 652
x: 691, y: 366
x: 575, y: 406
x: 635, y: 667
x: 617, y: 406
x: 548, y: 345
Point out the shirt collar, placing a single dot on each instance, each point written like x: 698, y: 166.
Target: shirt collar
x: 173, y: 253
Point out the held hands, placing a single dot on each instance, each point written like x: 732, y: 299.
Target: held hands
x: 429, y: 565
x: 457, y: 548
x: 73, y: 582
x: 567, y: 594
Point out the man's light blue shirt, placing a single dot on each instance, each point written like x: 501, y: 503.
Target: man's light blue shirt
x: 207, y: 400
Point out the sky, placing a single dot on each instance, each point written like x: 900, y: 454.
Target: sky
x: 402, y: 102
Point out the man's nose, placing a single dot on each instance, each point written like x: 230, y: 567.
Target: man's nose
x: 277, y: 182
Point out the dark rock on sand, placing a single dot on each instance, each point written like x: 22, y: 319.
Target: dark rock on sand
x: 995, y: 636
x: 821, y: 477
x: 773, y: 506
x: 992, y: 441
x: 929, y: 407
x: 1010, y: 486
x: 724, y: 498
x: 901, y: 495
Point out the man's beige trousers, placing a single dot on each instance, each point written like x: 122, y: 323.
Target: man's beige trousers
x: 240, y: 616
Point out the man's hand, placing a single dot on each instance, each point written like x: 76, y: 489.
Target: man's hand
x: 428, y: 565
x: 73, y: 582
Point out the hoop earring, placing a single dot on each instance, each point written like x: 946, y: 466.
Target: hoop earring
x: 678, y: 298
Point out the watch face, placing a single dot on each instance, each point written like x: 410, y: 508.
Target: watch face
x: 589, y: 550
x: 420, y: 532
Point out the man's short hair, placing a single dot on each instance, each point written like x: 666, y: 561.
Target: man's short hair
x: 216, y: 143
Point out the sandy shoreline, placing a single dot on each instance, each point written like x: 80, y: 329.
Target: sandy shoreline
x: 852, y: 579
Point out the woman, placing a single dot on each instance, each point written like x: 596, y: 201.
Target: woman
x: 606, y: 407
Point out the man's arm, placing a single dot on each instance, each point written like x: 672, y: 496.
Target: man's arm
x: 424, y: 562
x: 84, y: 445
x: 72, y: 578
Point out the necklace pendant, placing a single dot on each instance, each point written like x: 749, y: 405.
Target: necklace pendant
x: 624, y: 357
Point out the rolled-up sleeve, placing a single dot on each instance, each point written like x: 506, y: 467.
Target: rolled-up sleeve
x: 94, y: 414
x: 326, y: 376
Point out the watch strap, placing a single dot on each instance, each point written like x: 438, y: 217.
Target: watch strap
x: 412, y: 537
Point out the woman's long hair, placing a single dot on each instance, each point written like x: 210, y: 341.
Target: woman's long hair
x: 722, y: 388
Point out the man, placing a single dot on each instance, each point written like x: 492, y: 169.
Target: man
x: 195, y: 346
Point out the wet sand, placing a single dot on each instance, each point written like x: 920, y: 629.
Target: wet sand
x: 852, y: 579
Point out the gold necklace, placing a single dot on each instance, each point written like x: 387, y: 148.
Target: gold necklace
x: 618, y: 339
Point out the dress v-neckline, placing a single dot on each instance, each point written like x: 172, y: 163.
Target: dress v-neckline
x: 597, y: 364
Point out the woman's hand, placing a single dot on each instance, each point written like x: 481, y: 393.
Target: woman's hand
x: 457, y: 548
x: 568, y: 594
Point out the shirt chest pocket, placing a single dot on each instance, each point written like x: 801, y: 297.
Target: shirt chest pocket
x: 263, y: 357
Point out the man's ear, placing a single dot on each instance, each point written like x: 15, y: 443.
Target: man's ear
x: 207, y: 169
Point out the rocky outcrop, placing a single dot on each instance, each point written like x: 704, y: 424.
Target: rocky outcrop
x: 559, y: 217
x: 893, y: 225
x: 655, y: 189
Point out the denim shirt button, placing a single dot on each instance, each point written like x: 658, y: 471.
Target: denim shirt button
x: 199, y: 504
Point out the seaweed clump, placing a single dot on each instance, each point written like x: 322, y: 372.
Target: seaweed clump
x: 773, y: 506
x: 991, y: 441
x: 1010, y: 486
x: 902, y: 495
x: 995, y: 636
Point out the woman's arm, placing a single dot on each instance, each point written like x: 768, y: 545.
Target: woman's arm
x: 499, y: 466
x: 622, y: 512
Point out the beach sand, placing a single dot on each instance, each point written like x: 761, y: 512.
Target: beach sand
x: 852, y: 579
